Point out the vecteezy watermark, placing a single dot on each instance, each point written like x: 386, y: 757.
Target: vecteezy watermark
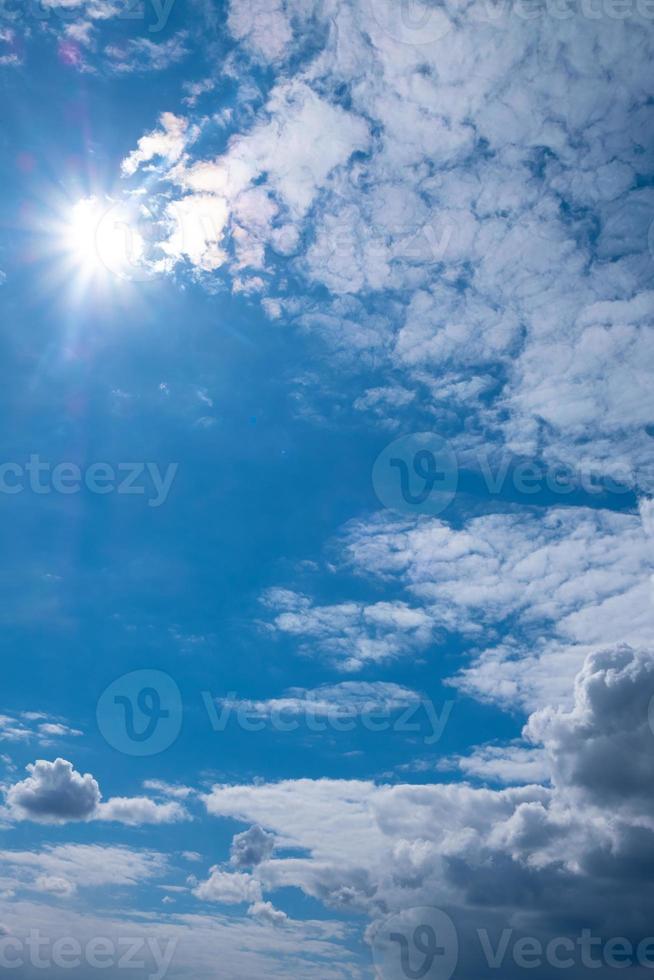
x: 423, y: 942
x: 155, y: 12
x: 423, y: 22
x: 43, y: 477
x: 564, y: 952
x: 141, y: 712
x: 411, y: 21
x: 493, y: 10
x: 416, y: 943
x: 420, y: 718
x: 150, y: 956
x: 419, y: 473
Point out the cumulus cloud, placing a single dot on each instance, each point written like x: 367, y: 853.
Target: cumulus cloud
x: 602, y: 747
x: 266, y: 912
x: 251, y: 847
x: 229, y: 888
x: 525, y: 849
x: 54, y: 886
x: 54, y: 792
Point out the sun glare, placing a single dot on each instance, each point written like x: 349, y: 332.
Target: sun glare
x: 102, y: 237
x: 98, y: 250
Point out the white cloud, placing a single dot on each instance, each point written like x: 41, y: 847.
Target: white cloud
x: 537, y: 579
x: 167, y: 143
x: 505, y: 235
x: 137, y: 810
x: 347, y: 699
x: 291, y: 151
x: 266, y: 912
x: 507, y: 764
x: 140, y: 54
x: 351, y: 633
x: 199, y: 222
x: 54, y: 792
x: 244, y: 946
x: 54, y: 886
x: 251, y: 847
x: 263, y: 26
x: 527, y: 848
x: 229, y: 888
x: 83, y: 865
x: 168, y: 789
x: 35, y: 725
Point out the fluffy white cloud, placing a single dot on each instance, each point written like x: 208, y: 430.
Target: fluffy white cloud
x: 505, y: 233
x: 54, y: 792
x: 508, y: 764
x: 266, y: 912
x: 602, y: 747
x: 351, y: 633
x: 136, y: 810
x: 166, y: 143
x: 381, y: 847
x: 299, y: 141
x: 229, y: 888
x: 54, y: 886
x: 521, y: 576
x: 263, y: 26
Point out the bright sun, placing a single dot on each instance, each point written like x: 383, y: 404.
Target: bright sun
x: 102, y: 237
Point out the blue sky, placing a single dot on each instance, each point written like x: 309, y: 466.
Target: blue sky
x: 328, y: 446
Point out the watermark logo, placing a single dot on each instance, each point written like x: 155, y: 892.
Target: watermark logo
x: 418, y: 717
x: 416, y: 944
x: 155, y: 12
x: 42, y: 477
x: 141, y: 713
x: 150, y: 956
x: 417, y: 473
x: 417, y: 22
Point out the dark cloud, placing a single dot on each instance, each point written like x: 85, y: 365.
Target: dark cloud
x: 251, y: 847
